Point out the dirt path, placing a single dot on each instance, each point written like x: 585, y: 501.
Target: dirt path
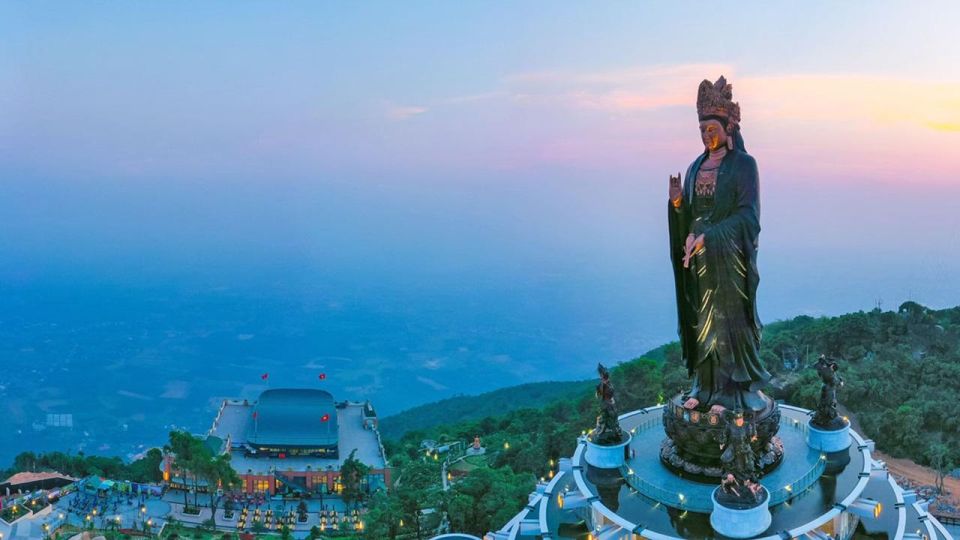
x: 916, y: 476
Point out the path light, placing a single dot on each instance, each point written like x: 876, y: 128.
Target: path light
x: 506, y: 445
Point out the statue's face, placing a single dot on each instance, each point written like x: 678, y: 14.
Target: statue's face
x: 713, y: 134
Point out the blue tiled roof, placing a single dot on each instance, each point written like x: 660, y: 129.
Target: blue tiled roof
x: 293, y: 418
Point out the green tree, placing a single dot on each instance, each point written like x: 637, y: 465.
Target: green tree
x: 217, y: 471
x: 182, y: 447
x: 147, y: 468
x: 383, y: 518
x: 487, y: 498
x: 352, y: 474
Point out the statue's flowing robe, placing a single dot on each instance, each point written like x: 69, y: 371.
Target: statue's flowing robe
x: 717, y: 295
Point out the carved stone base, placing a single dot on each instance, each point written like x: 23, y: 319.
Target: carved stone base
x: 693, y: 439
x: 828, y: 423
x: 741, y: 522
x: 672, y: 458
x: 607, y: 456
x: 828, y: 441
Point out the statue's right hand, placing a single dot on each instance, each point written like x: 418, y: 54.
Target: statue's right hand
x: 676, y: 192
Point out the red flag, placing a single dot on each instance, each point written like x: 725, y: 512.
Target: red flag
x: 264, y: 376
x: 254, y: 415
x: 325, y: 418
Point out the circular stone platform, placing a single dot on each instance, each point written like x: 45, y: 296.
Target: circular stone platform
x: 800, y: 467
x: 672, y: 508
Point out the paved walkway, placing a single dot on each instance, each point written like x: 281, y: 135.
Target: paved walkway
x: 120, y: 511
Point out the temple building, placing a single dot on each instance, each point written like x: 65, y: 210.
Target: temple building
x: 294, y: 441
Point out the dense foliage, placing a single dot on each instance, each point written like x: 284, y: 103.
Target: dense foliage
x: 902, y: 372
x: 476, y: 407
x: 145, y: 469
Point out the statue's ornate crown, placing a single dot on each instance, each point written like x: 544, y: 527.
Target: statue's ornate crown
x: 716, y: 99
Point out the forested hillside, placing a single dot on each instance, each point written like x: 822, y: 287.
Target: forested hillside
x: 475, y: 407
x: 902, y: 372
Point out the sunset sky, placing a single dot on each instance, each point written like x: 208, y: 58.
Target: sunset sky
x: 859, y: 89
x: 449, y: 142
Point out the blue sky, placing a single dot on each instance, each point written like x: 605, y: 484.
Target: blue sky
x: 524, y: 146
x: 243, y: 88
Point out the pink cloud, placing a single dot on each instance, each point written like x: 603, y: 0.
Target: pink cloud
x: 867, y: 125
x: 621, y: 90
x: 404, y: 112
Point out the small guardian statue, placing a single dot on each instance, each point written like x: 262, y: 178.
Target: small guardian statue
x: 738, y: 456
x: 739, y: 485
x: 826, y: 416
x: 607, y: 431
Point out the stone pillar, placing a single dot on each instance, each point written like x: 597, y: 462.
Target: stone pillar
x: 741, y: 522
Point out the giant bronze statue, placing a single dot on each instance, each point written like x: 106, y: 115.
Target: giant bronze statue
x: 714, y: 222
